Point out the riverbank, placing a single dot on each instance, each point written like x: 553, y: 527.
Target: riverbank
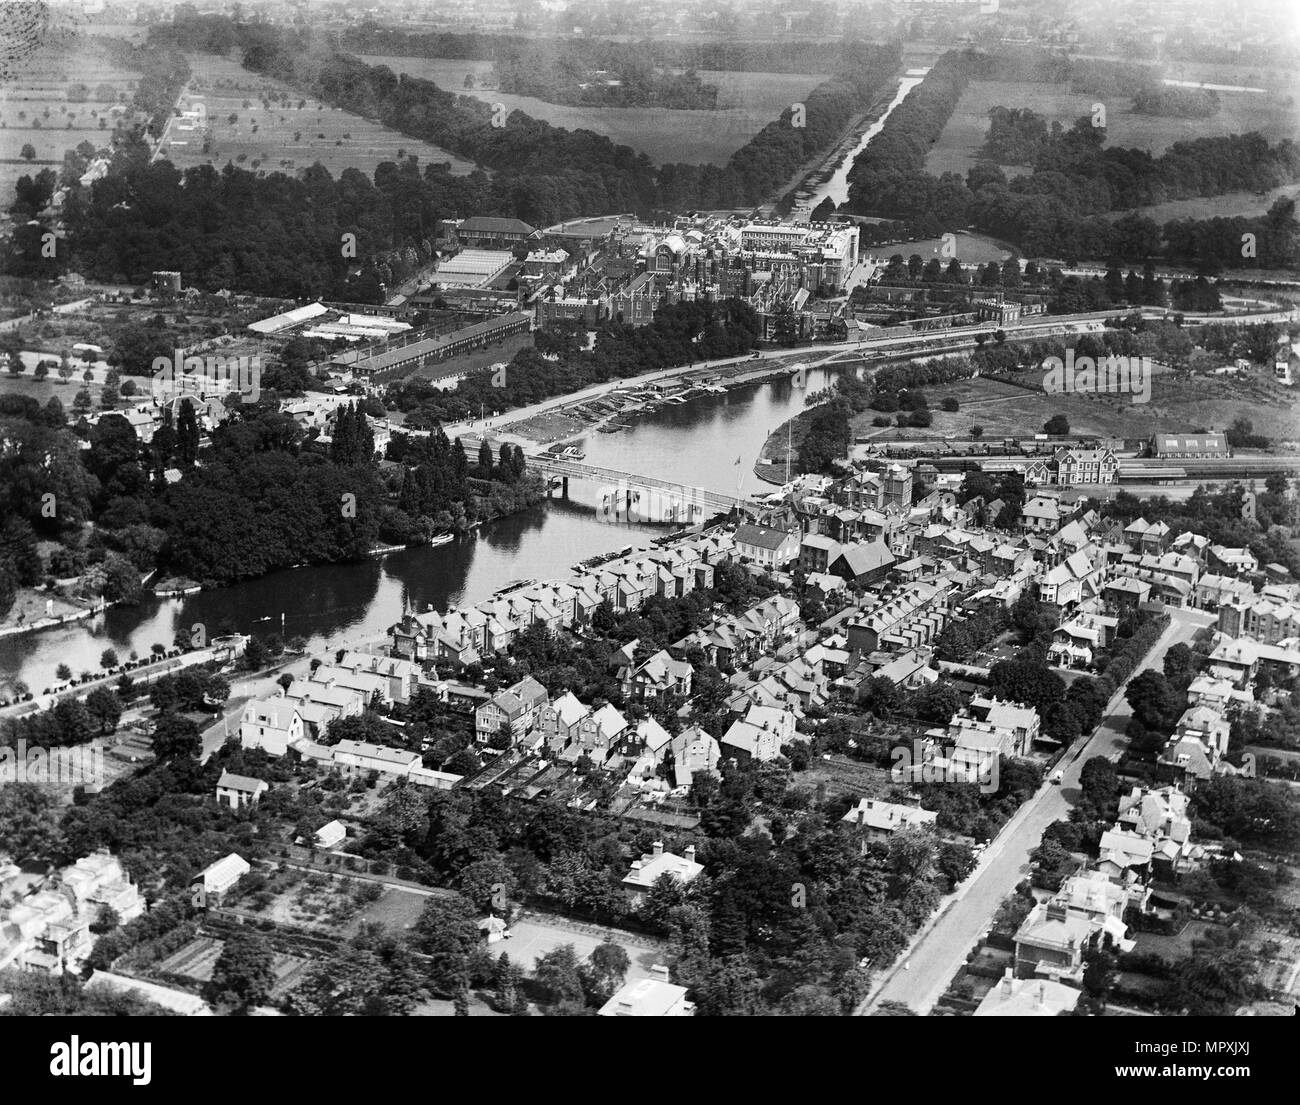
x: 33, y: 610
x: 696, y: 443
x: 573, y: 420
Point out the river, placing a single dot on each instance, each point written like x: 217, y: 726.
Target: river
x: 697, y: 443
x: 836, y: 186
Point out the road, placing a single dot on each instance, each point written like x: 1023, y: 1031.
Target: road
x: 265, y: 684
x: 940, y: 948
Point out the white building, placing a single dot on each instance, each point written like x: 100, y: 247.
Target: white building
x: 653, y: 865
x: 271, y: 724
x: 219, y: 877
x: 649, y: 997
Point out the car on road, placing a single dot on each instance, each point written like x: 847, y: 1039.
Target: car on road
x: 1057, y: 776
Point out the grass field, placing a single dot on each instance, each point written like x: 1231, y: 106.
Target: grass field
x: 534, y: 935
x: 396, y: 909
x: 1281, y: 81
x: 35, y: 109
x: 971, y: 249
x: 1005, y: 410
x: 286, y: 138
x: 962, y: 138
x: 747, y: 102
x: 1226, y: 205
x: 842, y: 776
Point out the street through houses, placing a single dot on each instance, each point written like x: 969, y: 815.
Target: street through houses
x: 922, y: 973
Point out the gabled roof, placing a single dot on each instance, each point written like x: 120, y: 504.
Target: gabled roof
x: 762, y: 537
x: 866, y: 556
x: 279, y: 712
x: 230, y: 781
x: 653, y: 735
x: 487, y: 224
x: 609, y: 721
x: 232, y: 865
x: 569, y: 710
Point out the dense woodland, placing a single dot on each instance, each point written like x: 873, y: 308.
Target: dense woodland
x: 263, y: 496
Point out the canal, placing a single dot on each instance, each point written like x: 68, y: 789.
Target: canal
x: 836, y: 186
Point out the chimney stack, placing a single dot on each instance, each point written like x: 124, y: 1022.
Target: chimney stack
x: 657, y: 848
x: 690, y: 853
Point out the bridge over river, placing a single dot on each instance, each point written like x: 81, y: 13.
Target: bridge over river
x: 635, y: 497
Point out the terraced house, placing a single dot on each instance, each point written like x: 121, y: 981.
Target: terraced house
x: 1072, y: 467
x: 659, y: 676
x: 514, y: 711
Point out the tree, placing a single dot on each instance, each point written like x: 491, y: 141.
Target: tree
x: 244, y: 973
x: 28, y: 152
x: 447, y: 933
x: 505, y: 980
x: 1024, y: 681
x: 176, y: 737
x: 63, y: 673
x: 345, y: 984
x: 785, y: 324
x: 559, y: 981
x: 1099, y: 975
x: 479, y: 881
x: 1154, y: 702
x: 108, y: 658
x: 604, y: 971
x: 732, y: 988
x: 1180, y: 665
x: 105, y: 708
x: 107, y: 920
x: 29, y: 823
x: 187, y: 435
x: 1052, y: 864
x: 1057, y: 426
x: 1099, y: 782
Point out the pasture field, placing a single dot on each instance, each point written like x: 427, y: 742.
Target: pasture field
x: 1004, y: 410
x: 747, y: 102
x: 282, y: 137
x: 1232, y: 74
x: 960, y: 142
x: 35, y: 108
x: 1226, y: 205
